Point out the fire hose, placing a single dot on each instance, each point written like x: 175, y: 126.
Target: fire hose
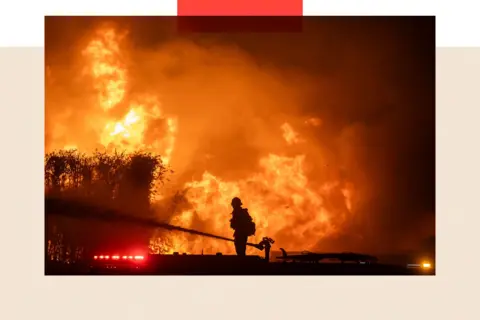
x: 81, y: 210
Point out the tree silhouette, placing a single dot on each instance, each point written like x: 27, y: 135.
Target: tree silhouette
x: 110, y: 180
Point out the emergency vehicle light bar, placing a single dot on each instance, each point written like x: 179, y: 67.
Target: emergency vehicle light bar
x: 103, y: 257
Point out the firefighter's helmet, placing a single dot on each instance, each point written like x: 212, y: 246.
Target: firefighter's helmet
x: 236, y: 202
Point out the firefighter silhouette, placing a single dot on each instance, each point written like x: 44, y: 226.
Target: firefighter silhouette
x: 243, y: 225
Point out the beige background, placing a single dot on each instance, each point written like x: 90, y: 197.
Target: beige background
x: 28, y: 294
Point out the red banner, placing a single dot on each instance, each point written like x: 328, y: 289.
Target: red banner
x: 240, y: 8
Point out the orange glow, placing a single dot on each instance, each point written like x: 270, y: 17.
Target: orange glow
x: 315, y: 122
x: 285, y: 200
x: 70, y: 147
x: 106, y: 68
x: 290, y: 136
x: 119, y: 121
x: 277, y: 196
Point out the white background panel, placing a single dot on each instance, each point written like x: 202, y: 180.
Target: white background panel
x: 21, y: 21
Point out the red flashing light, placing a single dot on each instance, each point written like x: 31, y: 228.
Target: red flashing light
x: 117, y: 257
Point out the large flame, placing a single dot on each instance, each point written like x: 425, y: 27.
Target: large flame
x: 280, y: 200
x: 106, y: 68
x: 283, y: 202
x: 133, y: 129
